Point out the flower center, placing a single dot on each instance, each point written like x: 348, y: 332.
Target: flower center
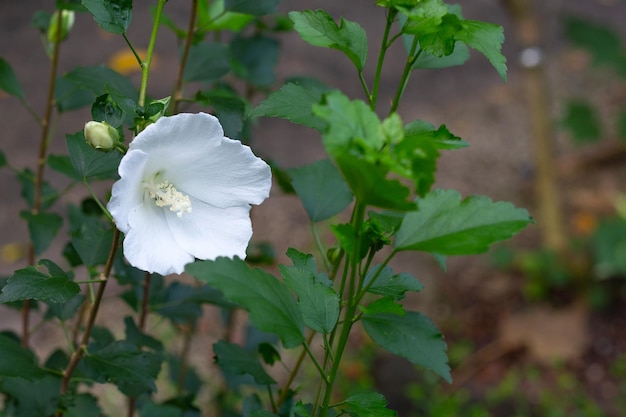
x: 165, y: 194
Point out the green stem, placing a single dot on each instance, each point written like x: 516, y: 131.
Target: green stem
x: 406, y: 73
x: 178, y: 90
x: 89, y: 281
x: 31, y: 111
x: 97, y: 200
x: 133, y: 50
x: 121, y: 148
x: 77, y: 355
x: 41, y: 162
x: 354, y: 260
x: 188, y: 331
x: 210, y: 22
x: 382, y: 266
x: 145, y: 65
x: 294, y: 371
x: 391, y: 17
x: 320, y: 247
x: 270, y: 395
x: 365, y: 87
x: 68, y: 336
x: 315, y: 362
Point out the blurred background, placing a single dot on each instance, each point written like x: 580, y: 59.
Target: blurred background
x: 537, y: 327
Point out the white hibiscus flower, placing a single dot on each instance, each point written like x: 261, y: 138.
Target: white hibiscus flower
x: 185, y: 192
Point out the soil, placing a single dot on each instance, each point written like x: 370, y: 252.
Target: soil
x: 471, y: 300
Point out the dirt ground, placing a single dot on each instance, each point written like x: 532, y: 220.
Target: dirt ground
x: 471, y: 100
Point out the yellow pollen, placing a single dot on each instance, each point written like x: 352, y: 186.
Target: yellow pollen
x: 165, y: 194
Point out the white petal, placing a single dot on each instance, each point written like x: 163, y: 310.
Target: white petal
x: 208, y: 232
x: 225, y: 176
x: 150, y: 246
x: 178, y: 141
x: 127, y: 192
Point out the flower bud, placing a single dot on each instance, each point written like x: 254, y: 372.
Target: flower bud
x: 101, y: 135
x: 67, y: 21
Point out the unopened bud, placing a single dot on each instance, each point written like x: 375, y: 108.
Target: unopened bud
x: 101, y: 135
x: 67, y: 21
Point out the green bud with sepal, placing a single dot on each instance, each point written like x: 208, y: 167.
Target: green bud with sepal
x: 56, y: 33
x: 101, y: 135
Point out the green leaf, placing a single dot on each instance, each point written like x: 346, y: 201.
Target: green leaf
x: 75, y: 5
x: 386, y: 222
x: 105, y: 109
x: 83, y: 405
x: 366, y: 150
x: 318, y: 28
x: 213, y: 17
x: 388, y: 284
x: 604, y: 43
x: 32, y: 284
x: 254, y: 59
x: 294, y: 102
x: 151, y: 409
x: 67, y: 310
x: 250, y: 404
x: 582, y: 121
x: 307, y: 261
x: 370, y: 185
x: 42, y: 228
x: 229, y: 108
x: 63, y: 164
x: 347, y: 238
x: 441, y: 42
x: 321, y: 188
x: 318, y: 302
x: 182, y: 303
x: 192, y: 383
x: 397, y: 3
x: 486, y: 38
x: 608, y: 245
x: 3, y: 159
x: 111, y: 15
x: 424, y: 17
x: 41, y: 21
x: 135, y: 336
x: 440, y: 29
x: 441, y: 137
x: 207, y: 62
x: 119, y: 100
x: 91, y: 238
x: 448, y: 226
x: 412, y: 336
x: 101, y: 337
x: 17, y: 361
x: 370, y: 404
x: 415, y: 157
x: 235, y: 360
x: 81, y: 86
x: 37, y: 398
x: 269, y: 353
x: 255, y: 8
x: 383, y: 305
x: 262, y: 413
x: 131, y: 369
x: 459, y: 56
x: 271, y: 306
x: 8, y: 80
x: 351, y: 125
x: 90, y: 163
x: 48, y: 194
